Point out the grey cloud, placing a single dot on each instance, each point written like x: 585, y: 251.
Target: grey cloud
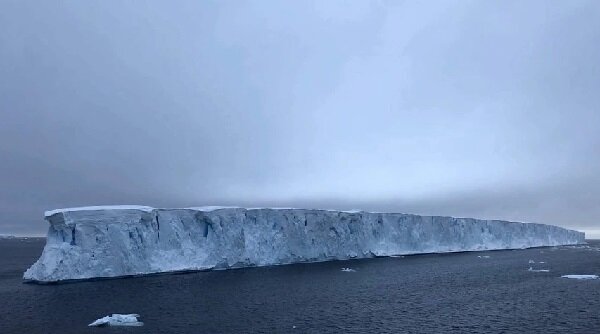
x: 484, y: 109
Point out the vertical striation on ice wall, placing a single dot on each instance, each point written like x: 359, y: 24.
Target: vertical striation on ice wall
x: 134, y: 240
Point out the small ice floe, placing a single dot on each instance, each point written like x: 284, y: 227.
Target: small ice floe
x: 531, y: 261
x: 348, y: 270
x: 580, y: 276
x: 483, y: 256
x: 538, y: 270
x: 118, y: 320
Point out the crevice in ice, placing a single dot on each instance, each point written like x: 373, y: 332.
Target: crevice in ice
x: 204, y: 222
x: 73, y: 243
x: 157, y: 227
x: 139, y: 235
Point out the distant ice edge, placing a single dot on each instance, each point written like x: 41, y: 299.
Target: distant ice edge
x: 105, y: 242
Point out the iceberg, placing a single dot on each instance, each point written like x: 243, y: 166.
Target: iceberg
x: 116, y: 241
x: 117, y: 320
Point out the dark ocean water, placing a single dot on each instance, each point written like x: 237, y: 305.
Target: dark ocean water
x: 438, y: 293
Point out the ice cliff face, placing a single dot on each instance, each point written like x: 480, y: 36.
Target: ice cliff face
x: 131, y: 240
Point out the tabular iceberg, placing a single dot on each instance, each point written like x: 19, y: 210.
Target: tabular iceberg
x: 117, y: 241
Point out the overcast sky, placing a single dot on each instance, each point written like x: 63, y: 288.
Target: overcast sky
x: 485, y: 109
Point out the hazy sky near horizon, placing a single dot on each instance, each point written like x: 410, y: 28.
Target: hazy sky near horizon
x: 486, y: 109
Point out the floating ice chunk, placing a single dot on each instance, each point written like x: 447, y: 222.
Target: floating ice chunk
x: 580, y: 276
x: 118, y: 320
x: 531, y: 261
x: 348, y: 270
x: 538, y: 270
x: 483, y: 256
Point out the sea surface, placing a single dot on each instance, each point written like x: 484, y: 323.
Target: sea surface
x: 471, y: 292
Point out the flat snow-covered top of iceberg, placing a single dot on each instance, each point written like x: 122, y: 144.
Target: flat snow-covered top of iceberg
x: 197, y: 208
x: 100, y: 207
x: 214, y: 208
